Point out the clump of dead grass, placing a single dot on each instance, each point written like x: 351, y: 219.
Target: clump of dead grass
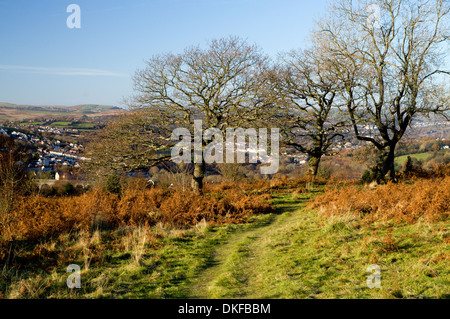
x: 427, y: 199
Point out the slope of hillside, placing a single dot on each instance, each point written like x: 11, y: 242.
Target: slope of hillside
x: 17, y: 112
x: 295, y: 252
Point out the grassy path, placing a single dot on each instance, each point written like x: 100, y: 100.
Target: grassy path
x: 298, y: 254
x: 235, y: 268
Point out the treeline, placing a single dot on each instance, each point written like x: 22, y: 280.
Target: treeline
x: 357, y: 78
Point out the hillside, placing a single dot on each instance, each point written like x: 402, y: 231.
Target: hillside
x: 19, y: 112
x: 278, y: 239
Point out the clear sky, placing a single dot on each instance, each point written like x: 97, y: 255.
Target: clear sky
x: 43, y: 62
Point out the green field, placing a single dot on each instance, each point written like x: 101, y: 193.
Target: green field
x: 82, y: 126
x: 73, y: 125
x: 419, y: 156
x: 32, y: 123
x: 60, y: 124
x: 16, y: 112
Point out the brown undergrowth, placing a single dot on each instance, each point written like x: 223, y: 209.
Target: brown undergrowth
x: 37, y: 217
x: 276, y: 185
x: 408, y: 201
x: 46, y: 232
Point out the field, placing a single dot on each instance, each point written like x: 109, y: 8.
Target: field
x: 13, y: 112
x: 278, y: 239
x: 32, y: 123
x: 73, y: 125
x: 419, y: 156
x: 17, y: 115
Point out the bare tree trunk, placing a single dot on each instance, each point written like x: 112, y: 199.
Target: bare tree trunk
x: 197, y: 178
x: 385, y: 169
x: 313, y: 166
x: 11, y: 177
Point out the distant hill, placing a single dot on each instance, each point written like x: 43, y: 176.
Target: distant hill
x: 14, y: 112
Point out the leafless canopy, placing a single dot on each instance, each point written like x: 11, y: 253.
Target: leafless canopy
x: 305, y: 93
x: 132, y: 141
x: 218, y: 84
x: 388, y: 54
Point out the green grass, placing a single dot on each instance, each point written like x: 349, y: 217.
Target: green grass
x: 299, y: 254
x: 60, y: 124
x: 301, y: 257
x: 292, y: 253
x: 167, y: 272
x: 419, y: 156
x: 83, y: 126
x: 32, y: 123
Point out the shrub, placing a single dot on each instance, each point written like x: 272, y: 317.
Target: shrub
x: 37, y: 216
x: 231, y: 172
x: 113, y: 184
x: 66, y: 189
x: 367, y: 177
x: 47, y: 190
x: 324, y: 171
x: 424, y: 198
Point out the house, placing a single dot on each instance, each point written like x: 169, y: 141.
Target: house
x: 64, y: 175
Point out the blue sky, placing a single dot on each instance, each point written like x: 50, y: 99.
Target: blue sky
x: 44, y: 62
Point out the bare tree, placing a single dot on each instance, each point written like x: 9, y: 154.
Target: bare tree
x: 231, y: 172
x: 13, y: 180
x: 218, y: 84
x: 135, y: 140
x: 388, y: 55
x: 305, y: 108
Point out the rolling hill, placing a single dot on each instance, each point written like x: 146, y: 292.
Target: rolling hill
x: 19, y: 112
